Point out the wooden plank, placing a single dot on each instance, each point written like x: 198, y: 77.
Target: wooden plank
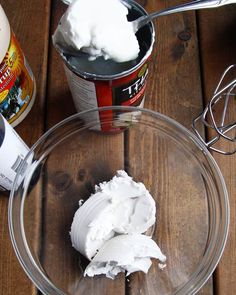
x: 23, y: 16
x: 59, y: 99
x: 89, y: 159
x: 72, y: 173
x: 174, y: 88
x: 218, y: 46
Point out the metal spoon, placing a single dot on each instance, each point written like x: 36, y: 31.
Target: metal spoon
x: 197, y: 4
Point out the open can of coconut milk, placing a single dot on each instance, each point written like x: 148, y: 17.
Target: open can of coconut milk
x: 102, y: 82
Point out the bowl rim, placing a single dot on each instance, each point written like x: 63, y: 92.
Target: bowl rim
x: 200, y: 277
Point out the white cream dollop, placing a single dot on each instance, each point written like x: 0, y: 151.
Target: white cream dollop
x: 100, y: 28
x: 122, y: 253
x: 120, y: 206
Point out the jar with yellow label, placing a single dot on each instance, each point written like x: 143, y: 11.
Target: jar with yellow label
x: 17, y: 82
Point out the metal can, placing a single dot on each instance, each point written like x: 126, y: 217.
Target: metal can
x: 17, y: 82
x: 105, y: 83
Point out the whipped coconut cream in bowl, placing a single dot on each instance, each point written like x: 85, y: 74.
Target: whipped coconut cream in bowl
x: 143, y: 211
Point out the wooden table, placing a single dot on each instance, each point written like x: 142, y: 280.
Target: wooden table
x: 191, y: 51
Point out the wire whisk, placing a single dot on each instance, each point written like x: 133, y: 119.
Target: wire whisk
x: 218, y: 117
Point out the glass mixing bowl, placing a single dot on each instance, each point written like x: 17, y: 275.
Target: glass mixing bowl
x: 89, y: 147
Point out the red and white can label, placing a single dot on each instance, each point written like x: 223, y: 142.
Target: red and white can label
x: 125, y: 91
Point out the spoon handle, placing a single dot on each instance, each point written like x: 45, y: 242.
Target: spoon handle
x: 197, y: 4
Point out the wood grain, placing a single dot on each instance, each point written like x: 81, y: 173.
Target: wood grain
x: 175, y: 183
x: 174, y: 88
x: 23, y: 16
x: 218, y: 46
x: 184, y: 71
x: 72, y: 172
x: 174, y: 85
